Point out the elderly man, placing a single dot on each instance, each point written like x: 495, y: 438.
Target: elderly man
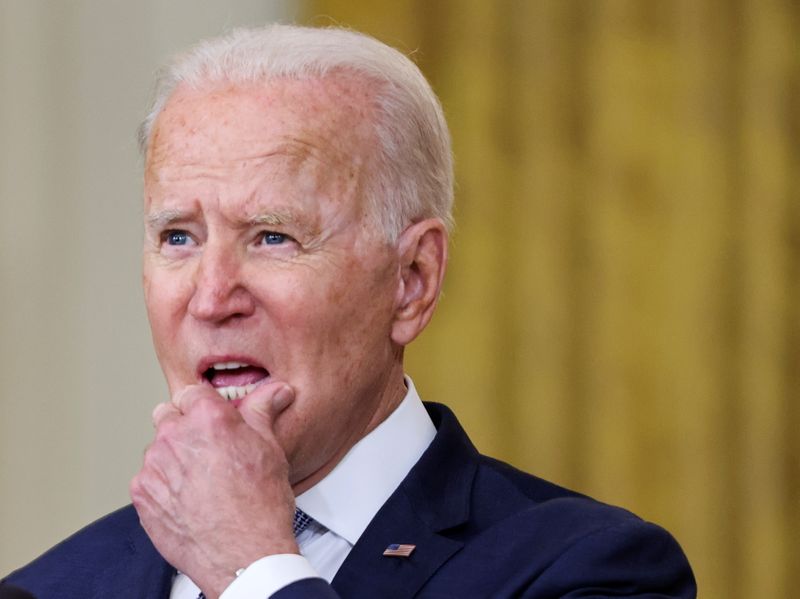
x: 298, y: 186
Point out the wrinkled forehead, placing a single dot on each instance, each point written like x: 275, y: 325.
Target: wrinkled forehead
x: 222, y: 121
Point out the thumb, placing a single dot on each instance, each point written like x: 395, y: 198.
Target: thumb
x: 262, y: 405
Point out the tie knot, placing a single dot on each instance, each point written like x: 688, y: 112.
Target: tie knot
x: 301, y: 521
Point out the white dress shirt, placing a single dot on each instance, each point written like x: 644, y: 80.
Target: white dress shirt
x: 342, y: 505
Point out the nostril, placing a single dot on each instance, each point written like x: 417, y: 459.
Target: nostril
x: 221, y: 303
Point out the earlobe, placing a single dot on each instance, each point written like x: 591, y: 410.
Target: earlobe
x: 422, y: 248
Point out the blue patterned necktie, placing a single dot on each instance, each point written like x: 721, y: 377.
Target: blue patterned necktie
x: 301, y: 521
x: 299, y: 524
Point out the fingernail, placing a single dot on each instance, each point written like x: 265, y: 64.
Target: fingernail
x: 283, y: 398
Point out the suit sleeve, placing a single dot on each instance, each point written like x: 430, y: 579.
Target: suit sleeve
x: 631, y: 559
x: 309, y: 588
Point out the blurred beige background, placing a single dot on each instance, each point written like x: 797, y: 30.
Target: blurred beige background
x: 622, y: 311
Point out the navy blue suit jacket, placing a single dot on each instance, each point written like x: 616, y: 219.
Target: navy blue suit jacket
x: 481, y: 529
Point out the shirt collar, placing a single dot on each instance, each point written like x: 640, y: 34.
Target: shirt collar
x: 347, y: 499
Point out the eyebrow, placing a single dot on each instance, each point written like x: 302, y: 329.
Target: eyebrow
x: 273, y: 218
x: 164, y: 218
x: 286, y: 217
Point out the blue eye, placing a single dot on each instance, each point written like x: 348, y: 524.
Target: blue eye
x: 176, y: 237
x: 273, y: 238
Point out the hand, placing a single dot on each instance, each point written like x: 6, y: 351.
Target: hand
x: 214, y: 493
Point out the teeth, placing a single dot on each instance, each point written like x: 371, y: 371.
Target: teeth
x: 234, y: 392
x: 229, y: 365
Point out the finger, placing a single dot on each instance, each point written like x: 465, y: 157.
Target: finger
x: 262, y: 405
x: 163, y: 411
x: 184, y: 399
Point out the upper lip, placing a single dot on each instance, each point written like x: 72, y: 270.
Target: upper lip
x: 208, y: 362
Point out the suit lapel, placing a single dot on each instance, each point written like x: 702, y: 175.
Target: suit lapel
x: 368, y: 573
x: 432, y: 499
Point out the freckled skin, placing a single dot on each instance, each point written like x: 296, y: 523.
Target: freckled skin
x: 316, y: 311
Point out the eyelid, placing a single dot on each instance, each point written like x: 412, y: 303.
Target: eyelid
x: 165, y: 233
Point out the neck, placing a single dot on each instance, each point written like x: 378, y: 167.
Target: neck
x: 391, y: 395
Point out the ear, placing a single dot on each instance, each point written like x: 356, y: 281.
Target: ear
x: 422, y: 248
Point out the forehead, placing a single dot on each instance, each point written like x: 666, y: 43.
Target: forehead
x: 330, y: 115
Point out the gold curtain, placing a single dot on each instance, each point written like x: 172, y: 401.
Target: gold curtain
x: 622, y: 309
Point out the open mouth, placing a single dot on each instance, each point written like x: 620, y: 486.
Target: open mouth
x: 234, y: 380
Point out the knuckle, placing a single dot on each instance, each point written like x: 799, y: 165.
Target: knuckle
x: 182, y: 401
x: 136, y: 491
x: 149, y: 458
x: 211, y: 410
x: 157, y: 456
x: 166, y: 429
x: 161, y: 412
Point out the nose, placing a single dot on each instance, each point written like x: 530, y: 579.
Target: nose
x: 220, y: 293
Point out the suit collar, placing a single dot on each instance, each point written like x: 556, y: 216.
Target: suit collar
x: 433, y: 498
x: 387, y: 453
x: 439, y: 486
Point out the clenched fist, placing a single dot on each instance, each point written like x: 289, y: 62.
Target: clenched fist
x: 213, y: 493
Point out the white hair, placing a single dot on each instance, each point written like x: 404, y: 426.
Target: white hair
x: 413, y: 179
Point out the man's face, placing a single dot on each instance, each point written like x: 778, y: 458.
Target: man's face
x: 261, y: 261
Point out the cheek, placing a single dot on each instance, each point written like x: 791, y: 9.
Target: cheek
x: 360, y: 328
x: 164, y: 296
x: 351, y: 309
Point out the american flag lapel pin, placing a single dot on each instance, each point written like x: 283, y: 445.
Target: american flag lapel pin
x: 399, y: 550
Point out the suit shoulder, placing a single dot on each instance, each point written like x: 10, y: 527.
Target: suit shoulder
x: 534, y: 535
x: 570, y: 541
x: 496, y: 490
x: 112, y: 529
x: 527, y: 501
x: 494, y: 471
x: 93, y: 549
